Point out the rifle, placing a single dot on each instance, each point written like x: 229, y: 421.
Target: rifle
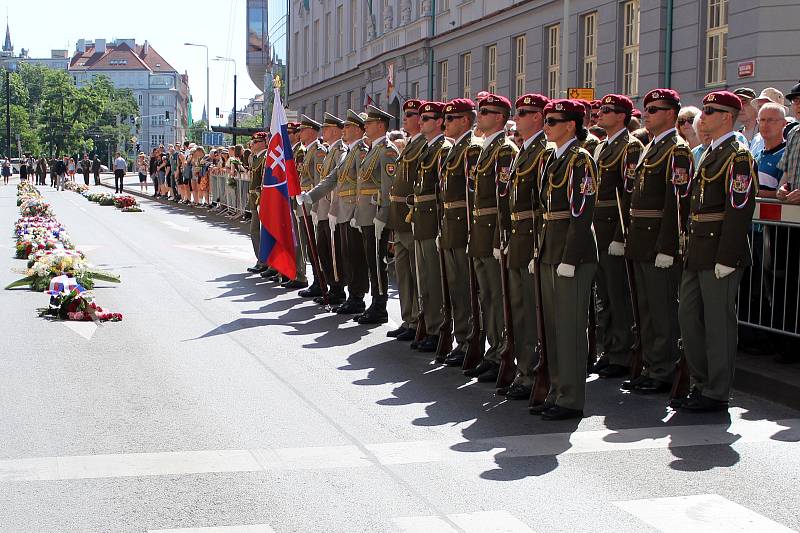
x: 475, y: 341
x: 422, y: 330
x: 636, y: 347
x: 316, y: 266
x: 680, y: 382
x: 508, y: 367
x: 541, y: 372
x: 446, y: 331
x: 592, y: 331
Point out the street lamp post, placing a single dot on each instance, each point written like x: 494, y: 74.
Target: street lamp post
x: 208, y: 99
x: 220, y: 58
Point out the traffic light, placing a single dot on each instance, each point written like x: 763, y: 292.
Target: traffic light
x: 138, y: 148
x: 217, y: 113
x: 166, y: 115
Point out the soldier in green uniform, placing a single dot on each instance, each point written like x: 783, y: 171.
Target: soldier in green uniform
x: 722, y: 201
x: 425, y: 221
x: 259, y: 147
x: 299, y: 151
x: 568, y: 258
x: 591, y: 141
x: 494, y: 163
x: 459, y: 119
x: 375, y: 176
x: 520, y: 226
x: 402, y: 187
x: 315, y: 152
x: 616, y: 156
x: 342, y: 183
x: 652, y: 243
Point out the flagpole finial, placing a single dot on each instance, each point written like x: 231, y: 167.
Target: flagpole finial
x: 277, y: 82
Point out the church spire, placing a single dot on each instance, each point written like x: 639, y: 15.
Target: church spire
x: 7, y: 47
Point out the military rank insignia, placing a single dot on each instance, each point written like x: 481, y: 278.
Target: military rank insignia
x: 390, y: 168
x: 740, y: 183
x: 587, y: 186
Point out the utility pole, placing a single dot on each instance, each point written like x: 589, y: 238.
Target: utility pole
x: 234, y: 106
x: 8, y: 113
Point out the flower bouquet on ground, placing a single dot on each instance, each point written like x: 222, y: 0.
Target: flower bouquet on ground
x: 132, y: 209
x: 35, y: 207
x: 28, y: 244
x: 45, y: 265
x: 26, y: 187
x: 70, y: 301
x: 121, y: 201
x: 107, y: 199
x: 74, y: 186
x: 99, y: 196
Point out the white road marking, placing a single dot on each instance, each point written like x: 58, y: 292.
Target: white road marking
x: 483, y: 451
x: 84, y: 329
x: 173, y: 225
x: 242, y: 252
x: 477, y: 522
x: 254, y: 528
x: 703, y: 513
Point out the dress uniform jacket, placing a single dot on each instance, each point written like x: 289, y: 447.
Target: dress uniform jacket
x: 495, y: 161
x: 426, y: 186
x: 403, y: 184
x: 344, y: 205
x: 375, y: 176
x: 256, y: 175
x: 313, y: 162
x: 525, y: 171
x: 591, y: 143
x: 615, y: 160
x: 567, y: 193
x: 333, y: 156
x: 462, y: 157
x: 299, y: 154
x: 653, y: 202
x: 722, y: 203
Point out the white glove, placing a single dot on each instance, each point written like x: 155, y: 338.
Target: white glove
x: 565, y: 271
x: 616, y: 248
x: 532, y: 266
x: 314, y: 218
x: 496, y: 253
x: 664, y: 261
x: 332, y: 221
x: 720, y: 270
x: 439, y: 242
x: 303, y: 198
x: 379, y: 226
x: 353, y: 223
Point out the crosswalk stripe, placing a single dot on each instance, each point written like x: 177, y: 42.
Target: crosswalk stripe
x: 477, y: 522
x: 702, y: 513
x: 395, y: 453
x: 254, y: 528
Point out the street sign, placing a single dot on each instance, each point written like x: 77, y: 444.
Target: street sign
x: 581, y: 93
x: 212, y: 138
x: 747, y: 69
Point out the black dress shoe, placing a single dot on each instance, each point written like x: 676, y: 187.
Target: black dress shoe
x: 630, y: 384
x: 484, y: 366
x: 455, y: 358
x: 601, y: 363
x: 561, y: 413
x: 518, y: 391
x: 257, y: 269
x: 312, y: 292
x: 652, y: 386
x: 704, y: 404
x: 374, y: 316
x: 613, y: 371
x: 269, y: 273
x: 540, y: 408
x: 429, y: 344
x: 490, y: 376
x: 396, y: 332
x: 334, y: 298
x: 677, y: 403
x: 294, y: 284
x: 408, y: 335
x: 351, y: 307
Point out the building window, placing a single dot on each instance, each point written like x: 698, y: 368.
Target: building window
x: 353, y: 26
x: 466, y: 69
x: 349, y: 102
x: 443, y: 81
x: 157, y: 120
x: 415, y: 90
x: 716, y: 41
x: 553, y: 57
x: 491, y: 69
x: 339, y: 31
x: 296, y: 53
x: 156, y: 140
x: 315, y: 51
x: 519, y: 65
x: 328, y: 38
x: 158, y: 100
x: 305, y: 49
x: 630, y: 48
x: 141, y: 100
x: 445, y: 5
x: 589, y: 49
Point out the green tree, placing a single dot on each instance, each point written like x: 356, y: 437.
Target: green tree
x: 195, y: 133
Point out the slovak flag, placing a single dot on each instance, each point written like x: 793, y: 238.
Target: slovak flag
x: 280, y: 182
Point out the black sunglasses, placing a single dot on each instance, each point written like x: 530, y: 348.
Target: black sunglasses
x: 410, y: 114
x: 426, y: 118
x: 609, y: 109
x: 652, y: 110
x: 525, y: 112
x: 485, y: 112
x: 552, y: 121
x: 451, y: 118
x: 683, y: 121
x: 708, y: 110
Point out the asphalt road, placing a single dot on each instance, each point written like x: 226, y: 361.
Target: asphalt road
x: 221, y: 401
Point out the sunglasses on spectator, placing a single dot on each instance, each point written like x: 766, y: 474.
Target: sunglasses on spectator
x: 451, y: 118
x: 652, y: 110
x: 525, y: 112
x: 684, y: 121
x: 410, y: 114
x: 426, y: 118
x: 708, y: 110
x: 485, y: 112
x: 552, y: 121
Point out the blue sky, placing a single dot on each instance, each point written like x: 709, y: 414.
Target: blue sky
x: 220, y: 24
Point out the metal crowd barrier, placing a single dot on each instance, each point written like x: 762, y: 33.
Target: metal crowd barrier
x: 231, y: 201
x: 769, y: 296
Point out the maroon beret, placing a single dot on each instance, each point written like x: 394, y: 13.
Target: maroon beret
x: 620, y: 101
x: 596, y: 104
x: 662, y: 95
x: 532, y: 100
x: 260, y: 136
x: 459, y: 105
x: 495, y: 100
x: 432, y: 107
x: 636, y: 113
x: 569, y: 107
x: 723, y: 98
x: 587, y: 106
x: 411, y: 105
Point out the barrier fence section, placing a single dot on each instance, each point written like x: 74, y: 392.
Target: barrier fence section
x: 769, y: 296
x: 230, y: 192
